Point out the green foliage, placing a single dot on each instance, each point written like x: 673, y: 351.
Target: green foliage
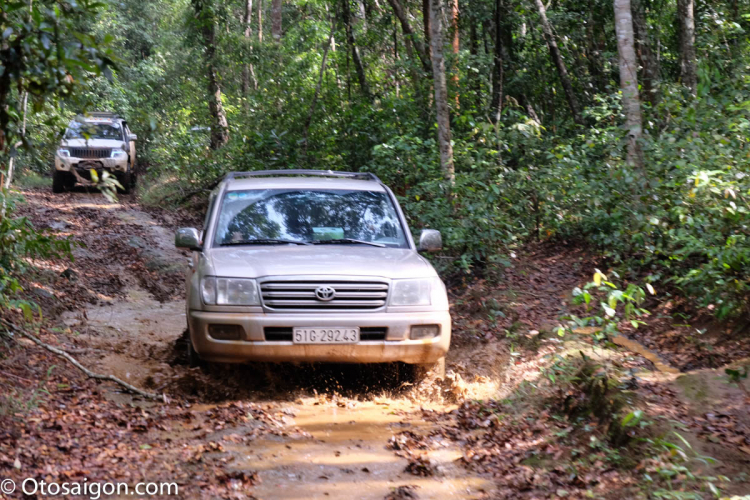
x: 533, y: 175
x: 615, y: 306
x: 19, y: 242
x: 671, y: 471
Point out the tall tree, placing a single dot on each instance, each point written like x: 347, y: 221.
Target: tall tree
x: 688, y: 71
x: 276, y: 20
x: 631, y: 103
x: 649, y: 64
x: 206, y: 23
x: 441, y: 91
x: 248, y: 72
x: 361, y: 77
x: 496, y: 104
x: 426, y: 22
x: 474, y: 78
x: 456, y: 46
x: 260, y: 21
x: 593, y: 49
x: 424, y: 57
x: 562, y: 71
x: 310, y: 113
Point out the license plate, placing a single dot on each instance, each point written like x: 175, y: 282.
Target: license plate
x: 325, y: 335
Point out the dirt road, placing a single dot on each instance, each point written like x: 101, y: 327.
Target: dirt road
x: 299, y: 432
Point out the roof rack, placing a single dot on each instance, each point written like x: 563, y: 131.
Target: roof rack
x: 319, y: 173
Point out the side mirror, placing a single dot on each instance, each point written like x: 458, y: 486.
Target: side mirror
x: 430, y: 241
x: 187, y: 237
x: 132, y: 137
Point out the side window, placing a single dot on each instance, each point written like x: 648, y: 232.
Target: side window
x: 125, y: 131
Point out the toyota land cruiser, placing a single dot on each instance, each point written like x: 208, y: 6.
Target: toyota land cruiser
x: 310, y: 265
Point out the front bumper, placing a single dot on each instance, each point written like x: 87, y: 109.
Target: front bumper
x: 253, y: 347
x: 99, y: 164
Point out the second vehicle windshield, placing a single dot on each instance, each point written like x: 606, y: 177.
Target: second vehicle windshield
x: 79, y: 130
x: 313, y: 216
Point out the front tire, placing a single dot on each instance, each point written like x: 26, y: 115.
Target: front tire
x: 125, y: 179
x: 194, y: 360
x: 62, y: 181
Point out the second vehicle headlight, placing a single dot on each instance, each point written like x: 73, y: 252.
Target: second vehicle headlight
x: 229, y: 291
x: 118, y: 153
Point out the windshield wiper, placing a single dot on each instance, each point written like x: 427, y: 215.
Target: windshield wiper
x: 348, y: 240
x: 265, y: 241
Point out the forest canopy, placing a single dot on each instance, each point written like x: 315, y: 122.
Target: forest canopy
x: 620, y: 125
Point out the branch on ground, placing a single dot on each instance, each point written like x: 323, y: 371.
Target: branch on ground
x: 77, y: 364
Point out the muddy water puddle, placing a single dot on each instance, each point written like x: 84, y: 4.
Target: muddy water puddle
x: 344, y: 456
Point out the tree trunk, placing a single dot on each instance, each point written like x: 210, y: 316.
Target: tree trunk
x: 474, y: 80
x: 688, y: 71
x: 276, y: 20
x: 562, y: 71
x: 248, y: 72
x: 426, y: 23
x: 260, y: 21
x: 360, y: 70
x: 646, y: 57
x: 629, y: 80
x: 207, y: 26
x: 496, y: 104
x: 456, y: 46
x: 11, y: 162
x: 593, y: 54
x: 318, y: 86
x: 409, y: 33
x: 441, y: 91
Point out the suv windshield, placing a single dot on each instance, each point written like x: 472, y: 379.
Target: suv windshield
x: 314, y: 216
x: 78, y: 130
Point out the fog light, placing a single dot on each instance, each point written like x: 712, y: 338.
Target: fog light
x: 225, y: 332
x: 421, y: 332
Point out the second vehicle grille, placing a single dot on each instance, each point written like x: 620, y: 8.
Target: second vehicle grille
x: 284, y: 295
x: 89, y: 153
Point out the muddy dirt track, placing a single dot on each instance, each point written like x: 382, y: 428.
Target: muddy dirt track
x: 126, y: 314
x: 278, y: 431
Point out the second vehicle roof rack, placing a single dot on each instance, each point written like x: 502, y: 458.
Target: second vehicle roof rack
x: 320, y: 173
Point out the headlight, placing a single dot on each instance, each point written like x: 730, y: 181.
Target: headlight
x: 63, y: 153
x: 229, y: 292
x: 412, y: 292
x: 118, y: 153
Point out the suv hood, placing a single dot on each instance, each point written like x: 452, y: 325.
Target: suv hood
x: 349, y: 260
x: 93, y: 143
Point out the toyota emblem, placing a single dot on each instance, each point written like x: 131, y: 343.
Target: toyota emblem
x: 325, y: 293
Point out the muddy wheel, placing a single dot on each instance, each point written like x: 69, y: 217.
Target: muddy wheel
x: 194, y: 360
x: 62, y: 181
x: 423, y: 371
x: 125, y: 179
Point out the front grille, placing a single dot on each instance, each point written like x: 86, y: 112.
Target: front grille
x: 283, y: 295
x: 284, y: 333
x: 89, y: 153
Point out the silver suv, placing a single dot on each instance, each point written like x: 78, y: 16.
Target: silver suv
x: 100, y: 141
x: 310, y: 265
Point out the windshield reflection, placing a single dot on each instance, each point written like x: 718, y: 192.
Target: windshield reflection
x: 78, y: 130
x: 309, y: 216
